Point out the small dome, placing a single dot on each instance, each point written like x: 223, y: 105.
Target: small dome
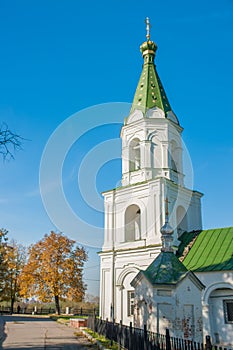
x: 166, y: 229
x: 148, y: 47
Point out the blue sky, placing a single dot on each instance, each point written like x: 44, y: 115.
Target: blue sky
x: 59, y: 57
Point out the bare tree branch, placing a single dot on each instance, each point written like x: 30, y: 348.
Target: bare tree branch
x: 9, y: 142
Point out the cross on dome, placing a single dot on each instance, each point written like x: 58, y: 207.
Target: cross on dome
x: 148, y: 26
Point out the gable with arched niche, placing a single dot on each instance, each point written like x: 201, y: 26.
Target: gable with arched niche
x: 136, y: 133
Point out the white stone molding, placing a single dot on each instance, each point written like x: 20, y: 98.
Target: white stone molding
x: 131, y: 269
x: 212, y: 287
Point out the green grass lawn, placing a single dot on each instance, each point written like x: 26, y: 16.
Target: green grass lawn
x: 105, y: 342
x: 66, y: 317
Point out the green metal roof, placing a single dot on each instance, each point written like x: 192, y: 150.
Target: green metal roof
x: 165, y: 269
x: 150, y: 92
x: 185, y: 239
x: 211, y: 251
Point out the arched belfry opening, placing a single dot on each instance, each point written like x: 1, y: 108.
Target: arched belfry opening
x: 134, y: 155
x: 181, y: 220
x: 132, y: 223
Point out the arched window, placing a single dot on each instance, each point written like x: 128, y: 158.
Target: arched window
x: 132, y: 223
x: 181, y: 220
x: 134, y: 155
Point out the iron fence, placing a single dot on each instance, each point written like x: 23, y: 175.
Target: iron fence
x: 131, y: 338
x: 27, y: 310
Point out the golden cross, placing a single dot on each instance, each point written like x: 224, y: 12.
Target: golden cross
x: 148, y: 26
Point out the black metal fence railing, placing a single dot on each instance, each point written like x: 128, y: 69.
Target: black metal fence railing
x: 131, y: 338
x: 46, y: 311
x: 128, y: 337
x: 83, y: 311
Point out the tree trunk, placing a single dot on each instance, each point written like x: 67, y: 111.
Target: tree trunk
x: 12, y: 305
x: 57, y: 305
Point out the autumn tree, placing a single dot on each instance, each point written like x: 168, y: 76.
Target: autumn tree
x: 3, y: 243
x: 14, y: 260
x: 54, y: 270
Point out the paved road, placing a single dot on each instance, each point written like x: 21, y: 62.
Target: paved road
x: 37, y: 333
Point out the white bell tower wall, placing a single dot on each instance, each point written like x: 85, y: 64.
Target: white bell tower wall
x: 151, y: 147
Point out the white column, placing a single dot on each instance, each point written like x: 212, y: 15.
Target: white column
x: 165, y: 159
x: 206, y: 320
x: 125, y: 160
x: 145, y: 154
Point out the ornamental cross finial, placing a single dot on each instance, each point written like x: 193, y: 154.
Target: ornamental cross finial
x: 148, y: 26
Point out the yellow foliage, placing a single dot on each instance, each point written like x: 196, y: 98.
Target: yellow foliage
x: 54, y: 269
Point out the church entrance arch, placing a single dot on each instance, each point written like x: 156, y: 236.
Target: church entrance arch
x: 219, y: 298
x: 126, y: 294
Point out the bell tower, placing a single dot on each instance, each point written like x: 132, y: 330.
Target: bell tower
x: 152, y: 170
x: 151, y: 136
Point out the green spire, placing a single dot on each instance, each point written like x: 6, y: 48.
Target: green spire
x: 150, y: 92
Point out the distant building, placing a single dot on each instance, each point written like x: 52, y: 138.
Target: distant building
x: 152, y: 170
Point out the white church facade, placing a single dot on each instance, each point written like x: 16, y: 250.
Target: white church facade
x: 152, y: 170
x: 168, y: 295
